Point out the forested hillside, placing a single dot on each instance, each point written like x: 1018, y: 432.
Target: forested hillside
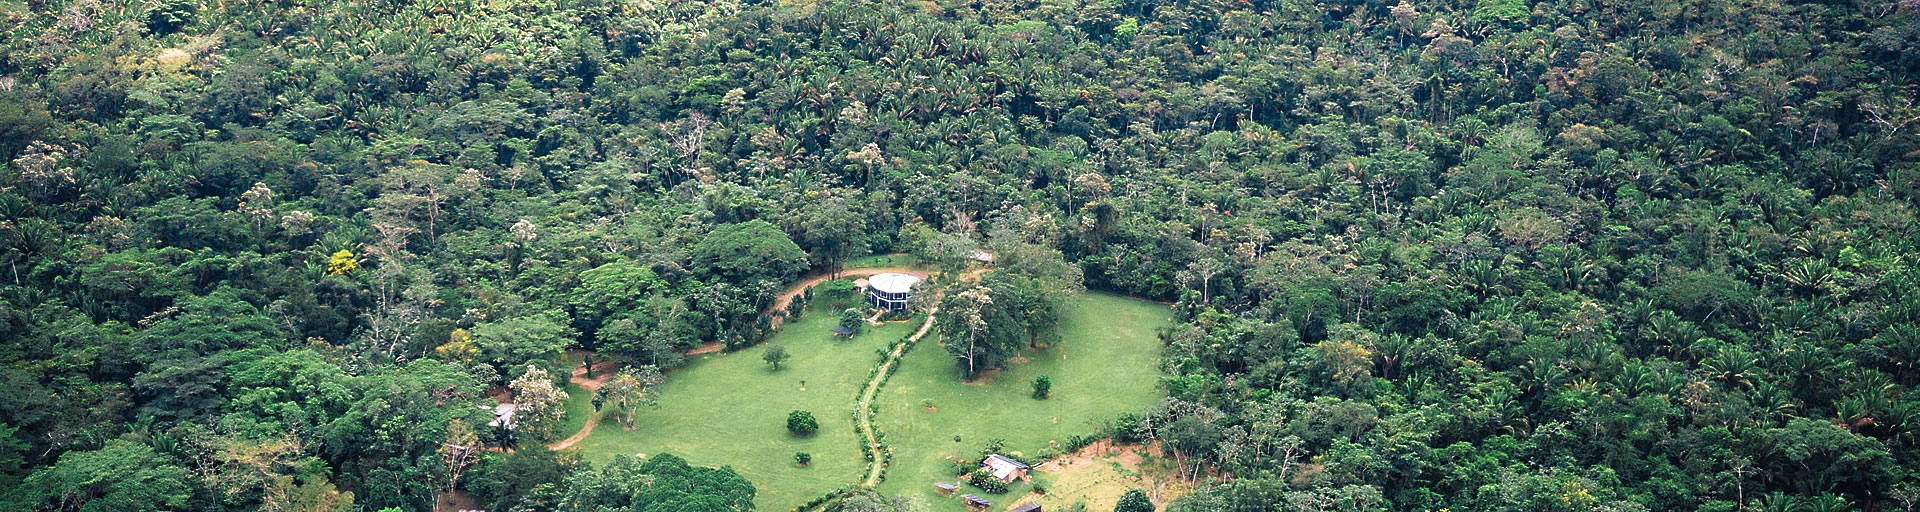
x: 1477, y: 254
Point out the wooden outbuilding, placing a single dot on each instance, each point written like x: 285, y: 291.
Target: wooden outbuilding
x: 1004, y: 468
x: 1030, y: 506
x: 976, y: 502
x: 946, y: 489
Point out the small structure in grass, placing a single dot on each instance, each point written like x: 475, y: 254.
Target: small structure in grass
x: 1030, y: 506
x: 976, y: 502
x: 890, y: 291
x: 1005, y: 469
x: 946, y: 489
x: 843, y: 332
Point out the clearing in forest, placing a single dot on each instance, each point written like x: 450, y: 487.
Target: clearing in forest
x: 729, y: 409
x: 1107, y: 364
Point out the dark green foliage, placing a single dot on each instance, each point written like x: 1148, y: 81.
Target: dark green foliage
x: 167, y: 16
x: 747, y: 252
x: 1486, y: 255
x: 1042, y: 387
x: 802, y: 458
x: 985, y: 481
x: 1134, y: 500
x: 507, y: 480
x: 802, y: 423
x: 995, y: 318
x: 853, y: 320
x: 661, y: 482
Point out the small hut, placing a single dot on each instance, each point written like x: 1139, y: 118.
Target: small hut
x: 1004, y: 468
x: 975, y: 502
x: 1031, y: 506
x: 946, y: 489
x: 842, y: 332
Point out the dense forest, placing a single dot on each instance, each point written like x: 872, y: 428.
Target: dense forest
x: 1445, y: 254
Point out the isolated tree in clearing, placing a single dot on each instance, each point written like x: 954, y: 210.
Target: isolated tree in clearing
x: 774, y: 356
x: 802, y: 423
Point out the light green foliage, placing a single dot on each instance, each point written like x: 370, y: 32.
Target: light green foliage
x: 749, y: 251
x: 1500, y: 11
x: 511, y: 344
x: 608, y: 291
x: 774, y: 355
x: 539, y: 406
x: 118, y: 476
x: 661, y: 482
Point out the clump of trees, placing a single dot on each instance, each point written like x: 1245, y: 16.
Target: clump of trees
x: 539, y: 406
x: 627, y: 391
x: 801, y: 423
x: 853, y: 320
x: 983, y: 480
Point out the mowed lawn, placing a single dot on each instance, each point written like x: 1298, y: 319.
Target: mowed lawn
x: 579, y: 408
x: 1106, y: 365
x: 731, y: 410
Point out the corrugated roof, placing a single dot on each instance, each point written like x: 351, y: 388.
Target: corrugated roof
x: 893, y: 283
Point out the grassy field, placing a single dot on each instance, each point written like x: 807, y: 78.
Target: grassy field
x: 883, y: 260
x: 579, y: 408
x: 730, y: 410
x: 1107, y: 365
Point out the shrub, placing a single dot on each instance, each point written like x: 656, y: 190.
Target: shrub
x: 986, y: 482
x: 1134, y: 500
x: 802, y: 423
x: 1042, y: 387
x: 853, y: 320
x: 803, y: 458
x: 837, y: 287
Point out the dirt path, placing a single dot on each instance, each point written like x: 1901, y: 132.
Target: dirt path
x: 603, y: 372
x: 780, y: 302
x: 577, y: 436
x: 863, y: 408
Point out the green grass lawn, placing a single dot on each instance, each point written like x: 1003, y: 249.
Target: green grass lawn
x: 730, y: 410
x: 882, y: 260
x: 1107, y: 364
x: 579, y: 408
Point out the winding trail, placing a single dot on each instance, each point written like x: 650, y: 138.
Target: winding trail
x: 863, y: 407
x: 579, y: 378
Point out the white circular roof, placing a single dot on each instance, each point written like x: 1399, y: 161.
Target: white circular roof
x: 893, y: 283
